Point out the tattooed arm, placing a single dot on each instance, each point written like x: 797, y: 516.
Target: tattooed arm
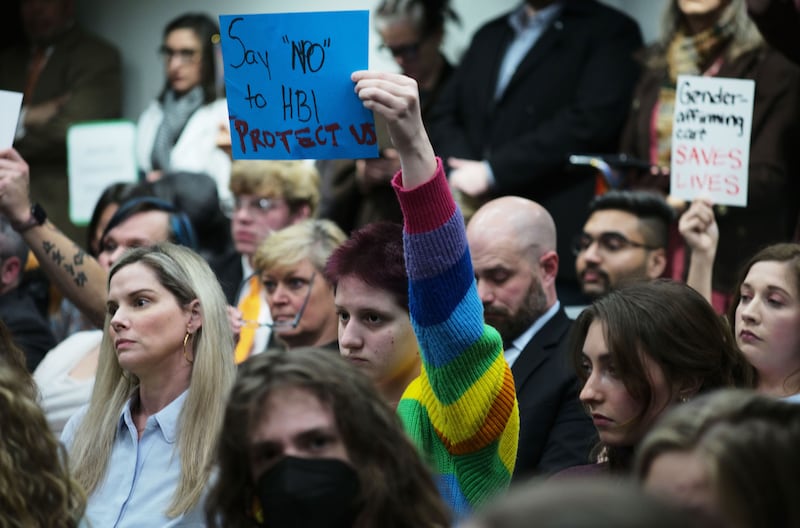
x: 79, y: 277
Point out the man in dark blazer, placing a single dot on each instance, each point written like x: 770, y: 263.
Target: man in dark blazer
x: 512, y: 243
x: 549, y: 79
x: 67, y: 75
x: 28, y: 327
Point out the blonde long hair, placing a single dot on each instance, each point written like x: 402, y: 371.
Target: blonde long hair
x: 187, y: 276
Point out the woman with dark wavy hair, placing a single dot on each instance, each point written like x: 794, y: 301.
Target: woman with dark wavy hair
x: 36, y: 489
x: 307, y: 441
x: 641, y: 349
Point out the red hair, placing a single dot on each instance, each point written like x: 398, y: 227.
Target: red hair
x: 373, y: 254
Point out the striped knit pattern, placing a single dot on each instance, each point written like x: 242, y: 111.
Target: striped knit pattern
x: 462, y: 410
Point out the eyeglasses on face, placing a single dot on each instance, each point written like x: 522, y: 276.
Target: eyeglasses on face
x: 301, y: 283
x: 608, y: 242
x: 185, y: 55
x: 255, y: 205
x: 405, y: 51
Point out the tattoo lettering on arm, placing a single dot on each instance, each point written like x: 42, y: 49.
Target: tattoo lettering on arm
x: 57, y: 257
x: 73, y: 268
x: 77, y: 260
x: 79, y: 277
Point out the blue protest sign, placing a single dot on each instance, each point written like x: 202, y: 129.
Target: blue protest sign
x: 287, y: 79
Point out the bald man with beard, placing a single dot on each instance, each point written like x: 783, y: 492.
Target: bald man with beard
x: 512, y: 242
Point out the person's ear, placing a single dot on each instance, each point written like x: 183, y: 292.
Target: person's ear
x: 195, y: 316
x: 548, y: 263
x: 302, y: 212
x: 656, y: 263
x: 10, y: 271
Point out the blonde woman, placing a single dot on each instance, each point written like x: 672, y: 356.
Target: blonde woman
x: 291, y: 263
x: 143, y: 447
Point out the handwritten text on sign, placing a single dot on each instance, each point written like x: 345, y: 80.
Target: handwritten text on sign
x: 287, y: 78
x: 711, y: 139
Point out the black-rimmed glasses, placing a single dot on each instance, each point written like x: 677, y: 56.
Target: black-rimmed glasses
x: 246, y: 323
x: 608, y: 242
x: 407, y: 52
x: 185, y: 55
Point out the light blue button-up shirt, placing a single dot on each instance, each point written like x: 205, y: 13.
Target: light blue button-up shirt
x: 526, y: 33
x: 142, y: 474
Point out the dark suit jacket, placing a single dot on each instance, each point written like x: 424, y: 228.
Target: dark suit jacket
x: 555, y: 431
x: 779, y: 23
x: 569, y: 94
x: 28, y: 328
x: 229, y: 272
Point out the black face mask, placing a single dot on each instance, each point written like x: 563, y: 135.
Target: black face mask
x: 309, y: 493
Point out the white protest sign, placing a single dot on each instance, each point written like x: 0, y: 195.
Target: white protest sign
x: 99, y: 153
x: 10, y: 104
x: 711, y: 139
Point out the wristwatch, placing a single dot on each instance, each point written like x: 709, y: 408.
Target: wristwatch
x: 37, y: 218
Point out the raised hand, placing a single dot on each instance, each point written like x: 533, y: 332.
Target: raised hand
x: 699, y: 227
x: 14, y: 186
x: 396, y: 98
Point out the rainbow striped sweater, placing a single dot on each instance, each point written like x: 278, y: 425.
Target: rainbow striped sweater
x: 461, y: 411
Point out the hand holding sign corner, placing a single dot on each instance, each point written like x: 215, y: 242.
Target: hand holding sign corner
x: 287, y: 78
x: 711, y: 139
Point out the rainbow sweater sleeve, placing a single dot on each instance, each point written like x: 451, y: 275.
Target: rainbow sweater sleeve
x: 461, y: 411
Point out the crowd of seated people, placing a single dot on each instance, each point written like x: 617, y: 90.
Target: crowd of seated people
x: 225, y: 357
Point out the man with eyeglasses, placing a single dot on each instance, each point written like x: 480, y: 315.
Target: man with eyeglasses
x: 624, y: 239
x: 267, y: 196
x: 512, y: 242
x: 66, y: 75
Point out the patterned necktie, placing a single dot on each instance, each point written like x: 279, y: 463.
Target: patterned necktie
x: 250, y: 306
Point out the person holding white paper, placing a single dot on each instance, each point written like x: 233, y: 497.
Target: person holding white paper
x: 716, y: 38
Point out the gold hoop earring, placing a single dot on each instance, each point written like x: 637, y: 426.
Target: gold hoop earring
x: 185, y: 354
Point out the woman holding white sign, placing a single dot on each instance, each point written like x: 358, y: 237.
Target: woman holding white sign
x: 715, y: 38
